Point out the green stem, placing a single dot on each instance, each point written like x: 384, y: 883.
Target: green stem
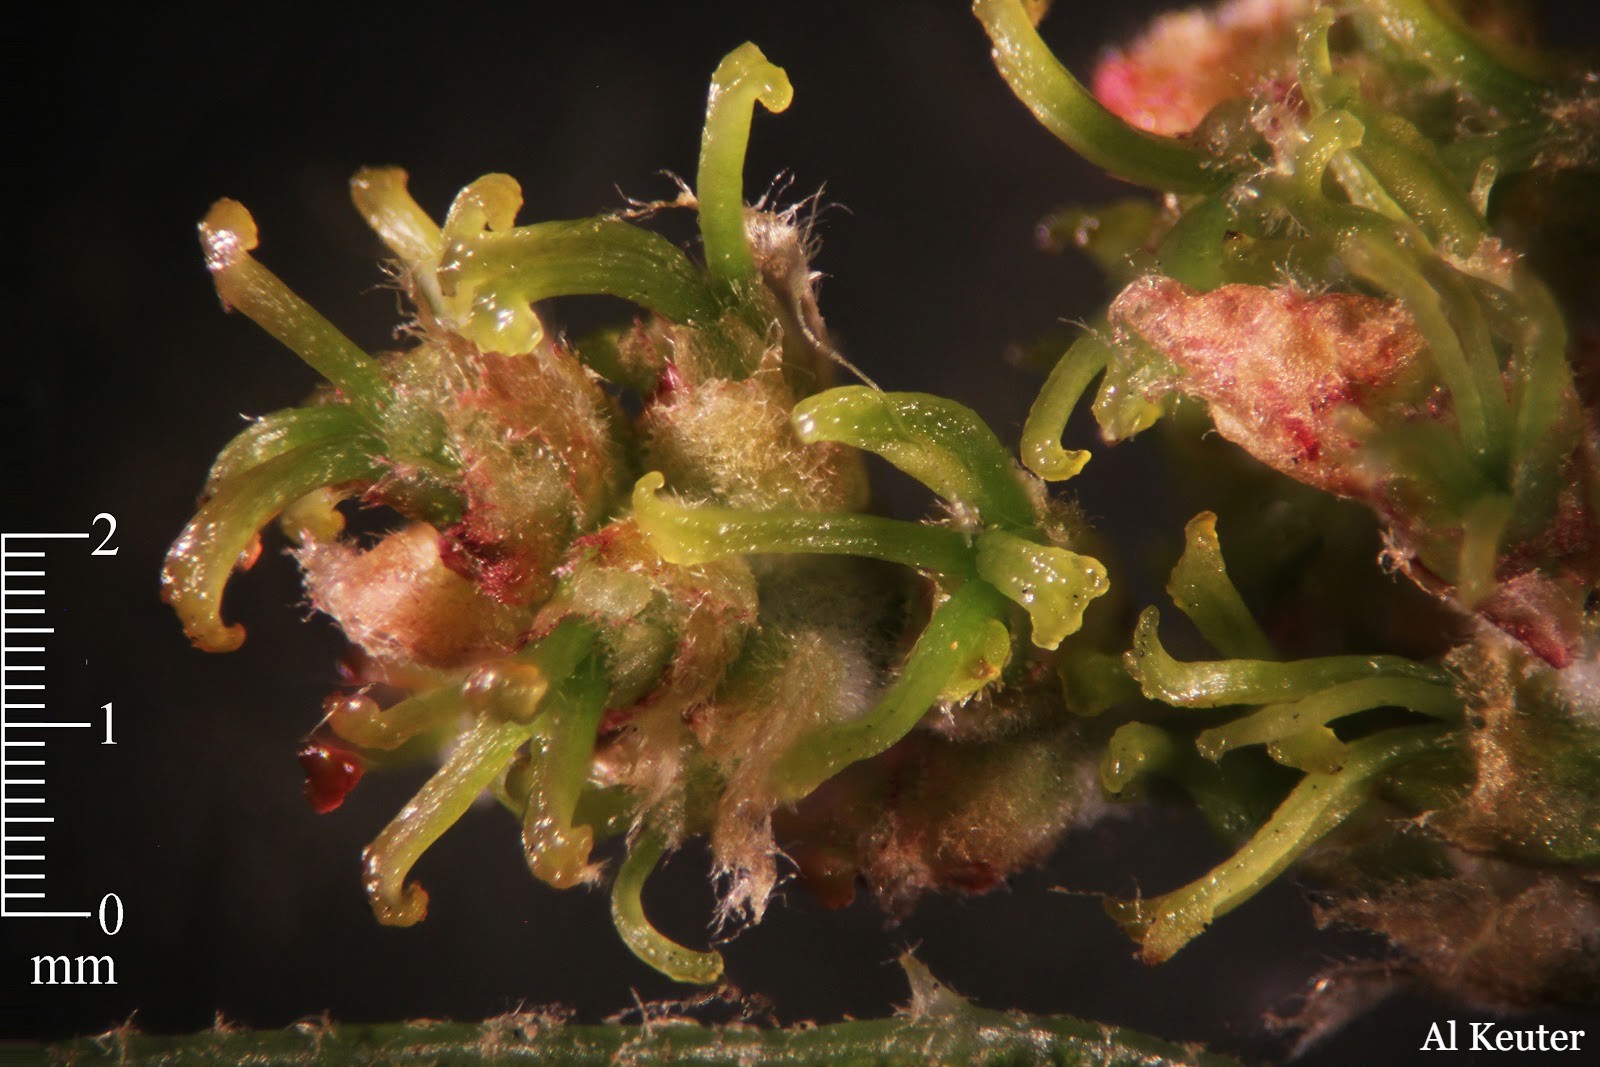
x: 1068, y: 110
x: 974, y: 1036
x: 642, y: 938
x: 743, y: 78
x: 228, y: 235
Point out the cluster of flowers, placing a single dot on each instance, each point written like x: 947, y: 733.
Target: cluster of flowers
x: 633, y: 589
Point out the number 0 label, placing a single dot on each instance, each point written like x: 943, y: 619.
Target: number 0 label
x: 110, y: 913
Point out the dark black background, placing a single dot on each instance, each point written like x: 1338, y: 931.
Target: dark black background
x: 123, y: 378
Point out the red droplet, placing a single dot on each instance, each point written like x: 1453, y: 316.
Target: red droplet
x: 331, y: 772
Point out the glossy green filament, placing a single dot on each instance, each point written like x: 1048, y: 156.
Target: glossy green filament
x: 1276, y: 722
x: 222, y: 532
x: 1317, y: 750
x: 1135, y: 751
x: 1120, y: 407
x: 1193, y: 250
x: 1094, y: 682
x: 1047, y: 419
x: 644, y: 940
x: 560, y: 749
x: 691, y: 535
x: 1481, y: 529
x: 228, y: 235
x: 1430, y: 453
x: 1406, y: 165
x: 479, y: 756
x: 954, y: 646
x: 1449, y: 49
x: 1543, y: 398
x: 1390, y: 167
x: 1327, y: 135
x: 281, y: 431
x: 1068, y: 110
x: 1215, y: 683
x: 742, y: 79
x: 492, y: 278
x: 1473, y: 376
x: 1335, y: 95
x: 1163, y: 925
x: 506, y: 700
x: 363, y: 723
x: 380, y: 194
x: 1201, y: 588
x: 942, y: 444
x: 1051, y: 584
x: 1322, y: 88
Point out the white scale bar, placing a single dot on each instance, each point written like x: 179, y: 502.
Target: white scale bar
x: 8, y: 821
